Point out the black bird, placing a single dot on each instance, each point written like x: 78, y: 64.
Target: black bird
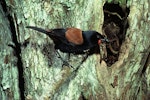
x: 73, y: 40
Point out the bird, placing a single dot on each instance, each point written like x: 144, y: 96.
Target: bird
x: 73, y: 40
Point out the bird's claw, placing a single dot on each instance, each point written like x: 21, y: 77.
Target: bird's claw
x: 66, y: 64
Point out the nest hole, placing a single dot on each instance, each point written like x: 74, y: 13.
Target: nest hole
x: 114, y: 27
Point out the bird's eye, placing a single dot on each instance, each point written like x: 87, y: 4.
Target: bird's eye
x: 98, y: 36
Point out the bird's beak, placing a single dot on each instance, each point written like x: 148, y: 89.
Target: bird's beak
x: 105, y: 40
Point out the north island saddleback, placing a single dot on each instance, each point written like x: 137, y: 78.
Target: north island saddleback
x: 73, y: 40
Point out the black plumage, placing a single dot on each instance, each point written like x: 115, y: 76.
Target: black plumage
x: 73, y: 40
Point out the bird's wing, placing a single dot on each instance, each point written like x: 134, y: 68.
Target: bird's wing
x: 68, y: 36
x: 74, y: 36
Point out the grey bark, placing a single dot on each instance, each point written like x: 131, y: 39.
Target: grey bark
x: 8, y: 62
x: 45, y: 78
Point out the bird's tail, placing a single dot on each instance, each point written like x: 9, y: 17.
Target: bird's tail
x: 38, y: 29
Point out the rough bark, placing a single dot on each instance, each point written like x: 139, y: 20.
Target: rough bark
x: 8, y: 62
x: 43, y: 74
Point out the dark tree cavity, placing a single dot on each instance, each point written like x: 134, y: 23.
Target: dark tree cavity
x: 114, y: 27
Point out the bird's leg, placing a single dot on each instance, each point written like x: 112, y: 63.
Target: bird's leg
x: 84, y: 58
x: 64, y: 62
x: 68, y: 57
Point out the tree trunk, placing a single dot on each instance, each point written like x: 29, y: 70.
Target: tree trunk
x: 8, y: 61
x: 39, y: 74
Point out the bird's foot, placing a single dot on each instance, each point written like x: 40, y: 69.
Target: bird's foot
x: 65, y: 63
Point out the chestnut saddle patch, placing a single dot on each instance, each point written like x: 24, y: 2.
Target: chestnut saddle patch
x: 74, y: 35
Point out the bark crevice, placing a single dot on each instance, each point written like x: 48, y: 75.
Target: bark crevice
x: 146, y: 62
x: 16, y: 47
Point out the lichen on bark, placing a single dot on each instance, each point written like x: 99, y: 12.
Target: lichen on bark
x: 8, y: 62
x: 45, y: 78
